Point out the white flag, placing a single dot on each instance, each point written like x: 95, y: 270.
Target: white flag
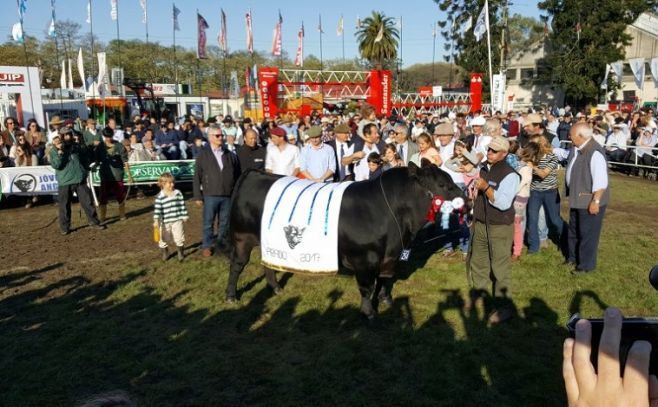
x: 81, y: 69
x: 88, y: 11
x: 339, y: 28
x: 114, y: 12
x: 17, y: 32
x: 70, y: 83
x: 637, y: 66
x: 618, y: 67
x: 380, y: 34
x: 102, y: 74
x: 481, y: 25
x: 62, y: 77
x: 654, y: 70
x: 604, y: 84
x: 144, y: 14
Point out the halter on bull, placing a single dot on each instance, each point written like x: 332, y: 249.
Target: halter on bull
x: 378, y: 219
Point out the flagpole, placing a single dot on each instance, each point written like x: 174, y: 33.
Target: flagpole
x: 198, y: 60
x: 61, y: 102
x: 320, y: 27
x: 146, y: 21
x: 433, y: 50
x: 118, y: 37
x: 399, y: 62
x: 29, y: 79
x: 173, y: 25
x: 93, y: 59
x: 486, y: 16
x: 342, y: 34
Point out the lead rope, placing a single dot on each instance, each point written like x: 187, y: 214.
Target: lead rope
x: 392, y: 214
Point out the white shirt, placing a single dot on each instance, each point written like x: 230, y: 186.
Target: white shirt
x: 446, y: 152
x: 347, y: 150
x: 598, y: 166
x: 282, y: 162
x: 480, y: 145
x: 118, y: 135
x: 361, y: 170
x: 617, y: 140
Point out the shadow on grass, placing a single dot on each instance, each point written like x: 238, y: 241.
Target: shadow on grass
x: 69, y: 340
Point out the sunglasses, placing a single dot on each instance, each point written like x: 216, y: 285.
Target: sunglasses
x: 218, y: 135
x: 491, y: 150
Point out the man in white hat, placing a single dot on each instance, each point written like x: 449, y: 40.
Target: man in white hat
x: 478, y: 140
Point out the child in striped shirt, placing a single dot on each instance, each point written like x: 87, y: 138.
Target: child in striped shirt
x: 169, y: 215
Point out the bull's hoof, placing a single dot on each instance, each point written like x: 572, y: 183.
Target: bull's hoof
x: 231, y: 299
x: 386, y: 299
x: 277, y: 290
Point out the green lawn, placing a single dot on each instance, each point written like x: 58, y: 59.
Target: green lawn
x: 161, y: 332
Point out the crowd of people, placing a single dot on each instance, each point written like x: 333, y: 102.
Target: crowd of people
x: 507, y: 164
x: 359, y: 146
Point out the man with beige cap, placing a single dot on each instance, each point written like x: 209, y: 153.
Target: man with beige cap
x: 488, y: 262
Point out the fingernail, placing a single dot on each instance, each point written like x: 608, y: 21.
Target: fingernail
x: 642, y: 347
x: 581, y: 325
x: 612, y: 313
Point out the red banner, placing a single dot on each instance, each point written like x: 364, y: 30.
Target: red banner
x: 476, y: 92
x: 380, y: 92
x: 268, y: 86
x: 425, y: 91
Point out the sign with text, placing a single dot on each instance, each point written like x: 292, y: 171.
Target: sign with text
x: 148, y: 172
x: 268, y: 85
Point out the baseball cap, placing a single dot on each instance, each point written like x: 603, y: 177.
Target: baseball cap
x: 499, y: 144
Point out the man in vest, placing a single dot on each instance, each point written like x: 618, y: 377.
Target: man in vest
x: 493, y: 231
x: 587, y: 189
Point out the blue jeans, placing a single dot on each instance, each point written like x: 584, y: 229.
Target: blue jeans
x: 213, y: 206
x: 550, y: 201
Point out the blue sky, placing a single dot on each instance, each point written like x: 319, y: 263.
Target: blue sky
x: 417, y: 18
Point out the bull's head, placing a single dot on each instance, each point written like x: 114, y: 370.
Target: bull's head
x: 443, y: 194
x: 293, y: 235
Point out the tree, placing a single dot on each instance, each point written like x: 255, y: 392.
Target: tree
x: 419, y: 75
x: 472, y: 55
x: 378, y: 51
x: 576, y: 61
x: 523, y: 33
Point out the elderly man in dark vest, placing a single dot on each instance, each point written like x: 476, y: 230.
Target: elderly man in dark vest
x: 586, y: 180
x: 493, y: 232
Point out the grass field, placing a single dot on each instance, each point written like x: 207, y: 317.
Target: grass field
x: 110, y: 316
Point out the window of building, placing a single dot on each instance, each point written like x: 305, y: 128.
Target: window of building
x: 511, y: 74
x: 527, y: 73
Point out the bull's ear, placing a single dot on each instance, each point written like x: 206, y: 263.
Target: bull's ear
x: 413, y: 169
x: 425, y: 163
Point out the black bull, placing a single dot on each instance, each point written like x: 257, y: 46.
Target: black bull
x: 370, y: 234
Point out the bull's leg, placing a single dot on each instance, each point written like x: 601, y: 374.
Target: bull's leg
x: 366, y: 284
x: 270, y: 276
x: 239, y: 258
x: 385, y: 285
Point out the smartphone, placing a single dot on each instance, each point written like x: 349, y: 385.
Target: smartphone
x: 632, y: 329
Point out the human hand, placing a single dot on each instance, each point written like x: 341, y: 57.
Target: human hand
x: 199, y: 202
x: 607, y: 388
x: 481, y: 184
x: 593, y: 208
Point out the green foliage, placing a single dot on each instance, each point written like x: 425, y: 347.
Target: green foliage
x: 468, y: 53
x: 383, y: 51
x: 577, y: 65
x: 523, y: 33
x: 418, y: 75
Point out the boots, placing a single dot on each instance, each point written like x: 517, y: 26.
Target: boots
x: 164, y: 253
x: 102, y: 212
x: 179, y: 250
x: 122, y: 211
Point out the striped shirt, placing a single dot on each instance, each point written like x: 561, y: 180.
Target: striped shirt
x: 169, y: 209
x: 550, y: 181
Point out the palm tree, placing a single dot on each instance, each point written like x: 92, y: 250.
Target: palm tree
x: 378, y: 50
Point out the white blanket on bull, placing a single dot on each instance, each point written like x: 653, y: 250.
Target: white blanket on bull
x: 299, y: 227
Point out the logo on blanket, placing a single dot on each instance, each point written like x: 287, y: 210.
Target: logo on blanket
x: 25, y: 183
x: 293, y: 235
